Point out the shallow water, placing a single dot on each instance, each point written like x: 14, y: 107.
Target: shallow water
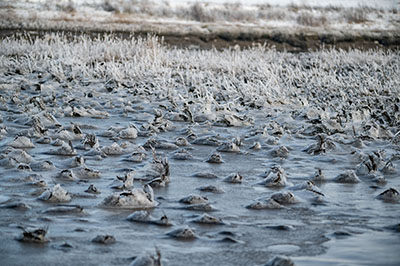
x: 350, y: 227
x: 350, y: 207
x: 367, y: 248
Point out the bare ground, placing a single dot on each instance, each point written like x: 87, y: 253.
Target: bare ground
x: 296, y: 42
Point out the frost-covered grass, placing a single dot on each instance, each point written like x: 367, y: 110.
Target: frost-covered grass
x: 252, y: 77
x: 211, y: 12
x: 122, y: 12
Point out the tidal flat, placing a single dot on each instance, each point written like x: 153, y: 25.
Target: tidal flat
x: 121, y: 151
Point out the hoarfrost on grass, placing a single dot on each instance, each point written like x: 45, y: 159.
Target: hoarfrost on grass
x: 252, y: 77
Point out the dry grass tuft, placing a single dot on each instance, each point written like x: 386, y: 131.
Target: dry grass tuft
x: 199, y: 13
x: 307, y: 18
x: 355, y: 15
x: 68, y: 7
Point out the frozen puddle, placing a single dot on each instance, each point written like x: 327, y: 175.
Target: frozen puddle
x: 283, y: 249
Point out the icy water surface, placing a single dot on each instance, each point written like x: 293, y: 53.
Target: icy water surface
x: 337, y: 218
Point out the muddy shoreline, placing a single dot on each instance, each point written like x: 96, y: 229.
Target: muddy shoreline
x: 281, y: 41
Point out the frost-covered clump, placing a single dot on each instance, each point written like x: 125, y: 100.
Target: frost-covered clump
x: 37, y: 235
x: 55, y: 194
x: 348, y: 177
x: 66, y: 149
x: 276, y: 178
x: 147, y: 260
x: 193, y: 199
x: 143, y: 216
x: 391, y: 195
x: 22, y: 142
x: 285, y: 197
x: 268, y: 203
x: 280, y: 261
x: 137, y: 198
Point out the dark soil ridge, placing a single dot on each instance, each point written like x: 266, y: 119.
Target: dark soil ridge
x: 300, y: 41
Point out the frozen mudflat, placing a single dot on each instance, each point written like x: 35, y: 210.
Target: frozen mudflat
x: 121, y: 151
